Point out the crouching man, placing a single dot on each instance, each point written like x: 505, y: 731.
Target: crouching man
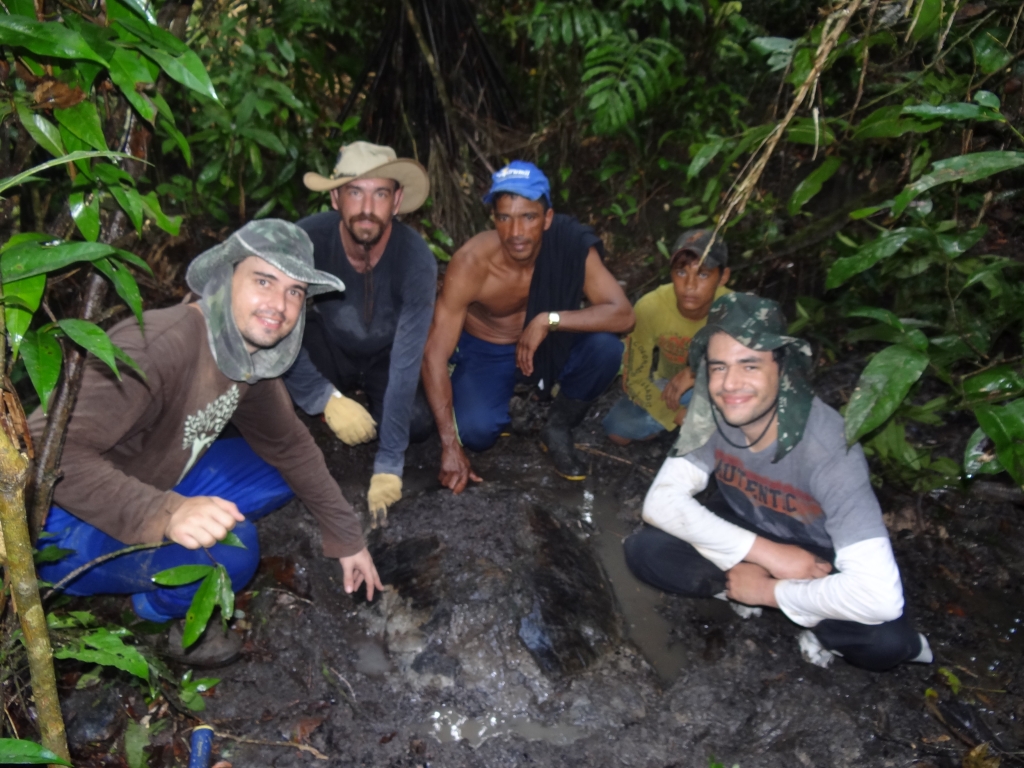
x: 142, y: 463
x: 794, y: 524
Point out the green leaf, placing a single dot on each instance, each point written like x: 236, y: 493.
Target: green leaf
x: 51, y: 554
x: 868, y: 255
x: 264, y: 138
x: 704, y: 156
x: 182, y: 574
x: 18, y: 319
x: 42, y: 355
x: 890, y: 122
x: 127, y: 69
x: 85, y: 210
x: 987, y: 99
x: 30, y: 259
x: 965, y: 168
x: 92, y: 338
x: 186, y: 69
x: 811, y: 185
x: 124, y: 284
x: 103, y: 647
x: 169, y: 224
x: 803, y: 131
x: 136, y: 739
x: 980, y: 456
x: 232, y: 540
x: 84, y: 122
x: 22, y: 752
x: 14, y: 181
x: 881, y: 388
x: 198, y: 615
x: 42, y: 131
x: 990, y: 52
x: 995, y: 383
x: 153, y: 35
x: 877, y: 313
x: 1005, y: 425
x: 225, y: 595
x: 45, y: 39
x: 131, y: 203
x: 953, y: 111
x: 180, y: 140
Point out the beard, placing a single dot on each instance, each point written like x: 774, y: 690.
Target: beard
x: 372, y: 240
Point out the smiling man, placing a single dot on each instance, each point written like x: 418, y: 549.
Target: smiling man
x: 143, y: 465
x: 370, y: 337
x: 666, y: 319
x: 512, y: 300
x: 794, y: 523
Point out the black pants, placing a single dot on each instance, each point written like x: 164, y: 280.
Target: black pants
x: 370, y: 374
x: 673, y: 565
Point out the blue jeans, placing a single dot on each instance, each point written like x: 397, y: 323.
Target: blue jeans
x: 633, y: 422
x: 484, y: 377
x: 230, y: 470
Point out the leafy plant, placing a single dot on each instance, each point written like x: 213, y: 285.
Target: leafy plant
x: 23, y: 752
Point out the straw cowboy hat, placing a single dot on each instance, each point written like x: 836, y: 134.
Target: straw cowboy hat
x: 362, y: 160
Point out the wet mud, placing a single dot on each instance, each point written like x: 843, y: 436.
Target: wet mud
x: 512, y: 634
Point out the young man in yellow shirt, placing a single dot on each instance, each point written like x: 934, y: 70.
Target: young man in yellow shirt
x: 666, y: 319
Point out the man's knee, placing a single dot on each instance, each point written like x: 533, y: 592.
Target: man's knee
x: 876, y: 648
x: 477, y: 435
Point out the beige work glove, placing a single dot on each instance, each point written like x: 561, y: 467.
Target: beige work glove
x: 385, y: 490
x: 352, y: 423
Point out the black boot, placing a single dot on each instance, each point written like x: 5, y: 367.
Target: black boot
x: 556, y: 437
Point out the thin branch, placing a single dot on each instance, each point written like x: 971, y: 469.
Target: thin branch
x: 97, y: 561
x: 588, y: 449
x: 263, y: 743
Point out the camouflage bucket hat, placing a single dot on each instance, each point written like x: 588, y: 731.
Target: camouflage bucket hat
x: 759, y: 324
x: 280, y: 243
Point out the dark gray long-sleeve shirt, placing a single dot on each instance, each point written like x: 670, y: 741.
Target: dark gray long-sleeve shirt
x: 404, y: 285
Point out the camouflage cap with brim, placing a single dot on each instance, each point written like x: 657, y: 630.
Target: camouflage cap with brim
x: 279, y: 243
x: 759, y: 324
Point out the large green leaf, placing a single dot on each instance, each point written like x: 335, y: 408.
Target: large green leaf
x: 890, y: 122
x: 182, y: 574
x: 954, y: 111
x: 804, y: 130
x: 990, y: 51
x: 882, y: 386
x: 169, y: 224
x: 42, y: 131
x: 31, y: 259
x: 811, y: 185
x: 42, y: 355
x: 124, y: 284
x: 45, y: 39
x: 704, y: 156
x: 22, y: 752
x: 198, y: 615
x: 225, y: 595
x: 24, y: 176
x: 101, y: 646
x: 153, y: 35
x: 965, y: 168
x: 1005, y: 425
x: 127, y: 70
x: 995, y: 383
x: 264, y: 138
x: 85, y: 210
x: 131, y: 202
x: 927, y: 19
x: 18, y: 319
x: 870, y: 254
x: 93, y: 339
x: 84, y: 122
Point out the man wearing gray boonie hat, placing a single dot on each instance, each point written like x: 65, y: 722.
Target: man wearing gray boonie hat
x: 371, y: 336
x: 143, y: 465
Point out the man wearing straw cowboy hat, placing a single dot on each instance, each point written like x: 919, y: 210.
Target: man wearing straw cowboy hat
x: 142, y: 463
x: 370, y: 337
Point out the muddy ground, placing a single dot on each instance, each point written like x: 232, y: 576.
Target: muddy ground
x: 512, y: 635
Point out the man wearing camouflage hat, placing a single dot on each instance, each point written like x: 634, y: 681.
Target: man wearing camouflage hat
x: 794, y: 523
x: 142, y: 463
x: 370, y: 337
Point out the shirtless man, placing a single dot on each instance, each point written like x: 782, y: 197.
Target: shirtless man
x: 510, y: 300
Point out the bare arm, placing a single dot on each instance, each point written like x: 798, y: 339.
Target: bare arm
x: 461, y: 282
x: 609, y: 311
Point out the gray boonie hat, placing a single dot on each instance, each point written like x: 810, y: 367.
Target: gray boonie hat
x: 279, y: 243
x: 695, y: 241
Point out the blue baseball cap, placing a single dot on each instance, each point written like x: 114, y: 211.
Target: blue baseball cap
x: 520, y: 178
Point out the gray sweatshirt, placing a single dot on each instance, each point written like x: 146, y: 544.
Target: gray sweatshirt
x: 404, y: 285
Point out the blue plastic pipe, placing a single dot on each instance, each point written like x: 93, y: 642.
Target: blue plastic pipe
x: 202, y: 743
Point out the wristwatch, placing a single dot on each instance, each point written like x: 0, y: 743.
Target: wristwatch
x: 553, y: 320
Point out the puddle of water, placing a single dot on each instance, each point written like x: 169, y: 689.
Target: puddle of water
x: 447, y: 725
x: 637, y: 601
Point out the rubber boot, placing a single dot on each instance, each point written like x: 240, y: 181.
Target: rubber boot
x: 556, y: 437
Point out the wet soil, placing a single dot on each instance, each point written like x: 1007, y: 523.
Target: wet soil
x: 511, y: 634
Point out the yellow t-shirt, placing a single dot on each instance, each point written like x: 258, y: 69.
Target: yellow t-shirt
x: 658, y: 324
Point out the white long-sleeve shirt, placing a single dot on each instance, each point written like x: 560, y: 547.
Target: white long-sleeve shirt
x: 865, y: 586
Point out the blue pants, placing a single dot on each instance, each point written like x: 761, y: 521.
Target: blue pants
x: 230, y: 470
x: 484, y: 377
x: 633, y: 422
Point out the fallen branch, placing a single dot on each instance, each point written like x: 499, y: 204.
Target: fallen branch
x: 96, y: 561
x: 587, y: 449
x: 264, y: 743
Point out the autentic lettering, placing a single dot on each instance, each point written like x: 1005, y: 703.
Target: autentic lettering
x: 765, y: 492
